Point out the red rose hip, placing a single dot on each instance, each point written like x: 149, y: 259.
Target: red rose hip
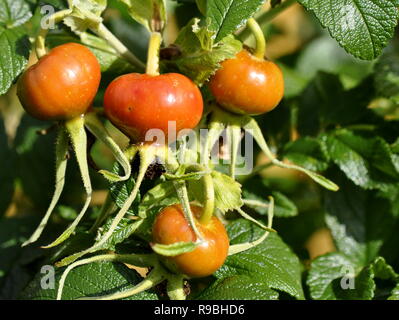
x: 136, y: 103
x: 62, y: 84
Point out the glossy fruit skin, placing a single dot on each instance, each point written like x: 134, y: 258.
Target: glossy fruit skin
x: 170, y: 227
x: 248, y: 85
x: 62, y: 84
x: 136, y: 103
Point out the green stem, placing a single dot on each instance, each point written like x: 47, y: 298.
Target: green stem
x: 103, y: 257
x: 61, y: 164
x: 249, y: 218
x: 76, y: 130
x: 267, y: 17
x: 237, y: 248
x: 252, y: 126
x: 102, y: 31
x: 259, y: 37
x: 175, y: 288
x: 182, y: 193
x: 209, y: 194
x: 255, y: 171
x: 153, y: 278
x: 146, y: 157
x: 138, y: 260
x: 40, y: 44
x: 96, y: 127
x: 153, y: 54
x: 234, y: 132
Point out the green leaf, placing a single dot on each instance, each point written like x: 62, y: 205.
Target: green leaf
x: 362, y: 27
x: 85, y: 14
x: 201, y: 4
x: 198, y: 63
x: 163, y: 194
x: 324, y: 273
x: 360, y: 221
x: 334, y: 277
x: 271, y: 263
x: 94, y: 279
x: 227, y: 191
x: 368, y: 162
x: 150, y: 13
x: 386, y: 73
x: 15, y: 261
x: 238, y: 288
x: 308, y: 153
x: 175, y: 249
x: 120, y: 191
x: 14, y: 13
x: 123, y: 231
x: 395, y: 293
x: 226, y: 16
x: 14, y: 48
x: 325, y: 104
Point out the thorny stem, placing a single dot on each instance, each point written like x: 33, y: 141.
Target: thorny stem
x: 146, y: 157
x: 102, y: 31
x: 77, y: 133
x: 153, y: 54
x: 61, y: 164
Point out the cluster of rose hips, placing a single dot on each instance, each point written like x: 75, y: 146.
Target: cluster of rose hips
x: 61, y: 87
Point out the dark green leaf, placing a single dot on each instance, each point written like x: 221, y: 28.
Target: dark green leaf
x: 308, y: 153
x: 94, y: 279
x: 238, y: 287
x: 123, y: 231
x: 120, y: 191
x: 272, y: 262
x: 386, y: 76
x: 368, y: 162
x: 325, y: 104
x: 333, y: 276
x: 360, y: 221
x: 362, y: 27
x: 14, y: 48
